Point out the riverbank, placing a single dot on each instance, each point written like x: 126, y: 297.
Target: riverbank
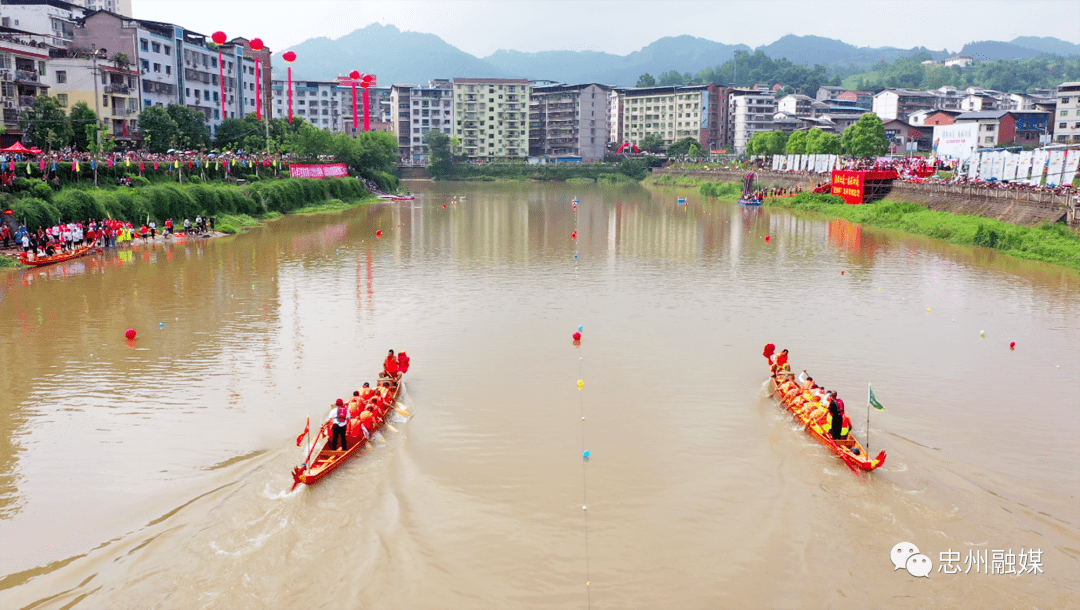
x: 1051, y: 243
x: 236, y: 208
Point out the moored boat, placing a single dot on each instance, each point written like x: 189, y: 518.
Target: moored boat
x: 321, y: 460
x: 815, y: 419
x: 39, y: 261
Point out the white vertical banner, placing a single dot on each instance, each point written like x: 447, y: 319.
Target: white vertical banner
x: 1023, y: 166
x: 1009, y: 173
x: 790, y: 163
x: 974, y: 161
x: 1038, y: 164
x: 1072, y: 163
x: 986, y: 165
x: 835, y: 162
x: 999, y: 165
x: 775, y: 162
x: 822, y: 163
x: 1054, y: 167
x: 815, y: 163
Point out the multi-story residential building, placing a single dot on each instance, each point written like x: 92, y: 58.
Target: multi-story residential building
x: 419, y: 110
x: 900, y: 133
x: 198, y: 77
x: 24, y: 68
x: 121, y: 7
x: 933, y: 117
x: 979, y: 102
x: 108, y: 87
x: 1066, y: 116
x: 491, y: 117
x: 265, y: 90
x: 569, y: 121
x: 900, y: 103
x: 51, y: 18
x: 673, y: 113
x: 948, y: 98
x: 796, y: 105
x: 962, y: 61
x: 149, y: 46
x: 750, y: 111
x: 317, y: 102
x: 379, y: 117
x: 862, y: 99
x: 828, y: 92
x: 1008, y: 128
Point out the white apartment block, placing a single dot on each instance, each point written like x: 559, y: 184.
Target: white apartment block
x: 51, y: 18
x: 671, y: 113
x: 120, y: 7
x: 491, y: 117
x: 1066, y: 122
x: 317, y: 102
x: 569, y: 121
x: 156, y: 57
x: 749, y: 112
x: 199, y: 85
x: 417, y: 110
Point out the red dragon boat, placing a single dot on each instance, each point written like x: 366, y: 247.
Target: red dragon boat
x: 321, y: 460
x: 40, y: 261
x: 815, y: 419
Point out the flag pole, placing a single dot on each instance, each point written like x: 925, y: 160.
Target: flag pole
x: 868, y: 386
x: 307, y: 439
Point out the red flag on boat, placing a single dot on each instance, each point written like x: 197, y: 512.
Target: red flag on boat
x: 770, y: 349
x: 300, y: 439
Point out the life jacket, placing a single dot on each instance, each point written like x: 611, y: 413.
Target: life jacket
x: 845, y: 427
x: 391, y: 365
x: 354, y: 408
x: 353, y: 428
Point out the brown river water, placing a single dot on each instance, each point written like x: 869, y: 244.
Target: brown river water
x: 155, y: 474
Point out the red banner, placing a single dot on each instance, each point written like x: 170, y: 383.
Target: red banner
x: 332, y: 170
x: 848, y: 185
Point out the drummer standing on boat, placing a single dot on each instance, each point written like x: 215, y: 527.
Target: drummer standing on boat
x: 339, y: 419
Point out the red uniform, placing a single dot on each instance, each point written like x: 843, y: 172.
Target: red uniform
x: 391, y: 365
x: 403, y: 362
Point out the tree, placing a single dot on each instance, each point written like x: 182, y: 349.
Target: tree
x: 441, y: 157
x: 820, y: 143
x: 159, y: 129
x: 232, y: 133
x: 646, y: 80
x: 767, y: 143
x: 83, y: 126
x: 633, y: 168
x: 192, y: 132
x: 100, y: 139
x: 682, y: 147
x: 308, y: 141
x: 865, y: 138
x: 46, y: 124
x: 796, y: 143
x: 652, y: 143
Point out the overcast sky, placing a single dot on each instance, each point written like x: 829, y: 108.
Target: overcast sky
x: 620, y: 27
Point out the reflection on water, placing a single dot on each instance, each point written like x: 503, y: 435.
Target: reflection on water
x: 159, y: 471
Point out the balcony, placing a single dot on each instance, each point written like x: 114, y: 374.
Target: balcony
x: 121, y: 89
x: 27, y: 76
x: 11, y: 116
x: 26, y: 101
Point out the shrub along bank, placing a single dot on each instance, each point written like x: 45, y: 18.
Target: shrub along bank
x: 1052, y: 243
x: 44, y: 207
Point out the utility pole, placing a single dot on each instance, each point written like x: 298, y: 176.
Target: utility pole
x: 97, y: 97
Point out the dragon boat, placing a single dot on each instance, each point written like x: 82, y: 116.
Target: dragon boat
x: 40, y: 261
x: 815, y: 419
x: 749, y: 197
x: 321, y: 460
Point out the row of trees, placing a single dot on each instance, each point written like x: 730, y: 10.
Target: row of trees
x: 1045, y: 71
x: 747, y: 69
x: 864, y: 138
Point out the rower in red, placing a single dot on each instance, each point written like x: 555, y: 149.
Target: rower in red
x: 390, y: 366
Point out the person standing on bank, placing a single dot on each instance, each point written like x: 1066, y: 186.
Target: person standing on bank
x: 339, y: 419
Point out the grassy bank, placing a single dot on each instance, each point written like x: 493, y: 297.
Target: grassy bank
x: 233, y: 205
x: 1049, y: 243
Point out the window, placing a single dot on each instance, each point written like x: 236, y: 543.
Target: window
x: 156, y: 47
x: 144, y: 44
x: 157, y: 67
x: 168, y: 69
x: 168, y: 50
x: 1064, y: 113
x: 105, y: 101
x: 146, y: 103
x: 61, y: 76
x: 145, y: 65
x: 62, y: 98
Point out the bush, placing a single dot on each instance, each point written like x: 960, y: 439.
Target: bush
x: 78, y: 205
x: 728, y: 190
x: 41, y: 190
x: 35, y: 212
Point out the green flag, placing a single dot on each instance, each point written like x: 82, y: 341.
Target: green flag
x: 873, y: 400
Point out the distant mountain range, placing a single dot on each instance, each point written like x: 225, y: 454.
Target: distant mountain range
x: 411, y: 57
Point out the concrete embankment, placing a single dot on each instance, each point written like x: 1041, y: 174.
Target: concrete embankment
x: 1024, y: 208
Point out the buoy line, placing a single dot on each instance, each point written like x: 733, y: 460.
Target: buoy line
x: 581, y: 409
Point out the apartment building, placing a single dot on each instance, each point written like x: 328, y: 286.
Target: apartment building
x: 379, y: 116
x: 900, y: 103
x: 796, y: 105
x: 1008, y: 128
x: 317, y: 102
x: 149, y: 46
x: 418, y: 110
x: 569, y: 121
x: 750, y: 111
x: 24, y: 67
x: 121, y: 7
x: 199, y: 77
x: 674, y: 113
x: 53, y: 19
x: 491, y: 117
x: 108, y: 87
x: 1067, y: 114
x: 265, y: 89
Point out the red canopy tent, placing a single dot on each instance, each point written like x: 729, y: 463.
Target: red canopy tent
x: 17, y: 149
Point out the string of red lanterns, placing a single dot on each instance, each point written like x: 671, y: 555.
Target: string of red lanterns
x: 289, y: 57
x: 219, y: 39
x: 256, y: 44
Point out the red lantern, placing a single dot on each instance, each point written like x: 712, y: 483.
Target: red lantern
x: 365, y: 82
x: 219, y: 37
x: 256, y: 44
x: 289, y: 57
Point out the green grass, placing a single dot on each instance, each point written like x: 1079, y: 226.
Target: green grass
x: 672, y: 180
x: 1051, y: 243
x: 9, y: 261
